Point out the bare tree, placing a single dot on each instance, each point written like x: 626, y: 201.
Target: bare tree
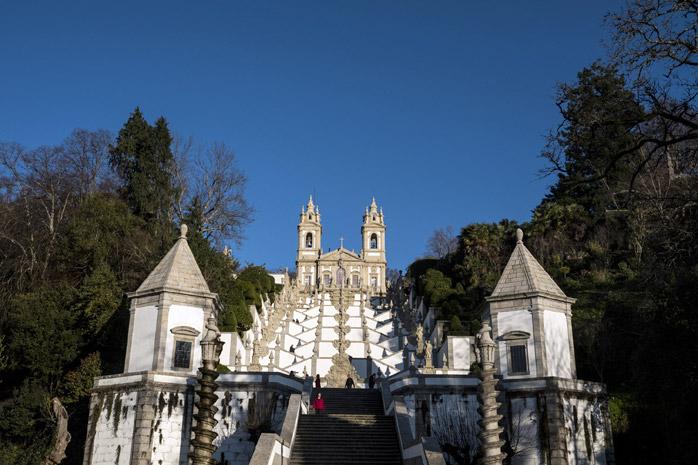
x: 656, y: 43
x: 211, y: 190
x: 88, y: 154
x: 442, y: 242
x: 36, y: 189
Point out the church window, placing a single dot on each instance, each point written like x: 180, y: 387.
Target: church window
x: 374, y: 241
x: 328, y: 279
x: 518, y: 359
x: 309, y: 240
x: 182, y: 355
x: 355, y: 280
x: 374, y: 282
x: 307, y: 280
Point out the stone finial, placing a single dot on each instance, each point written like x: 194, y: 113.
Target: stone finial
x: 519, y: 236
x: 183, y: 229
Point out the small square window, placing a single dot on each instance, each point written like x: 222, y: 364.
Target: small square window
x: 182, y: 356
x: 518, y: 359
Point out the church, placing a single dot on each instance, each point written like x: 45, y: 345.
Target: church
x: 341, y: 267
x: 508, y: 394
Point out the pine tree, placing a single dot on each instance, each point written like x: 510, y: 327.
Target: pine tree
x: 143, y: 159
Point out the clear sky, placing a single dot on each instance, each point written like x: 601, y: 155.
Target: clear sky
x: 438, y: 108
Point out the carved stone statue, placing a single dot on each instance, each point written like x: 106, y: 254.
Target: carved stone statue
x: 428, y: 355
x: 420, y: 339
x: 57, y: 453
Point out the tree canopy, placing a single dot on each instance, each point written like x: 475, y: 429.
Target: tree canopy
x: 81, y: 223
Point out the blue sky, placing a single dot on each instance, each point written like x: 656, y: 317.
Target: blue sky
x: 439, y: 109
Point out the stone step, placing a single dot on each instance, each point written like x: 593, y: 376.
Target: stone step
x: 352, y: 430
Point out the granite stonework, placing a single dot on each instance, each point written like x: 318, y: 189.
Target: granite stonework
x: 535, y: 409
x: 547, y: 415
x: 146, y: 418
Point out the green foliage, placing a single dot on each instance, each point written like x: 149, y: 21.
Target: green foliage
x: 25, y: 414
x: 77, y: 383
x: 242, y: 314
x: 143, y: 160
x: 455, y: 327
x: 629, y: 256
x: 3, y: 354
x: 436, y: 287
x: 98, y: 298
x: 101, y: 233
x: 44, y: 333
x: 599, y: 114
x: 222, y: 369
x: 620, y: 408
x: 63, y: 311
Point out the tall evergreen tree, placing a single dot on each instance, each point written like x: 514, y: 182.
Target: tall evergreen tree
x: 142, y: 157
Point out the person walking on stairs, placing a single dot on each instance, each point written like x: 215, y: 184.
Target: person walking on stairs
x: 317, y: 381
x: 372, y: 381
x: 350, y: 383
x: 319, y: 403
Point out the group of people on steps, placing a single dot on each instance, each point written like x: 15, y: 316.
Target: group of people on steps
x: 319, y: 402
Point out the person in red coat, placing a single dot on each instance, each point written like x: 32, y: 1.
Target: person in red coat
x: 319, y: 403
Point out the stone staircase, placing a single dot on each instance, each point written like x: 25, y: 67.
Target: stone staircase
x: 353, y: 430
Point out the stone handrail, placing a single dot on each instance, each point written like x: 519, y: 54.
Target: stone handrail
x: 274, y: 448
x: 415, y: 451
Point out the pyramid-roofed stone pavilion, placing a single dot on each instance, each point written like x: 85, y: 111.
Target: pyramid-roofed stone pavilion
x: 524, y: 275
x: 177, y: 270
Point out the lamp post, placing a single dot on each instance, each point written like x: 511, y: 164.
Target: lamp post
x: 204, y: 434
x: 490, y: 429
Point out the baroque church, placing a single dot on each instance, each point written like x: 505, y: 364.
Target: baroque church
x: 341, y: 267
x: 191, y: 394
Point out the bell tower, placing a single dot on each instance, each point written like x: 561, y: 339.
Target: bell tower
x: 309, y: 244
x: 373, y: 248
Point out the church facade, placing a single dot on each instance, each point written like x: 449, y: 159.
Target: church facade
x: 341, y: 268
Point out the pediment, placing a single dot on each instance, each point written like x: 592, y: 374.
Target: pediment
x: 342, y: 253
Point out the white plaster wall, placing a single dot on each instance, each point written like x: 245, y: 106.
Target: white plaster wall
x: 459, y: 359
x: 114, y: 429
x: 586, y: 442
x: 305, y: 350
x: 354, y: 311
x: 557, y: 344
x: 411, y: 411
x: 356, y: 350
x: 454, y: 420
x: 355, y: 335
x: 327, y: 349
x: 181, y: 315
x: 515, y: 320
x: 228, y: 355
x: 392, y: 344
x: 523, y: 424
x: 168, y: 441
x: 323, y: 366
x: 143, y: 339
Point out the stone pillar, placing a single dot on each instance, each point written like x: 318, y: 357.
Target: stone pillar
x: 204, y: 434
x: 557, y: 432
x: 490, y: 429
x: 141, y: 448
